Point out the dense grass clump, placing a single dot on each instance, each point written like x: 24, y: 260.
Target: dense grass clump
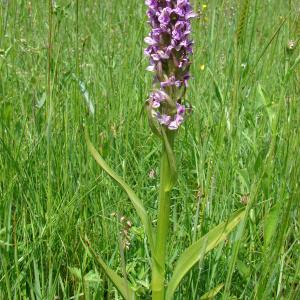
x: 69, y: 63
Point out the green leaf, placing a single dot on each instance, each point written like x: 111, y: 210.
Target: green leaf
x: 137, y: 203
x: 40, y: 103
x: 270, y: 108
x: 243, y: 269
x: 120, y: 283
x: 270, y: 224
x: 212, y: 293
x: 293, y: 67
x: 37, y: 284
x: 90, y: 277
x: 193, y: 253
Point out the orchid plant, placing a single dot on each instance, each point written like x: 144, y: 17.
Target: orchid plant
x: 169, y: 50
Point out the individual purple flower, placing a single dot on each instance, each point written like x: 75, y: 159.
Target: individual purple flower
x: 178, y: 118
x: 165, y: 17
x: 163, y: 119
x: 156, y: 98
x: 169, y: 49
x: 171, y: 81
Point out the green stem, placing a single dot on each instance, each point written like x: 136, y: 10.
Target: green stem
x: 158, y: 269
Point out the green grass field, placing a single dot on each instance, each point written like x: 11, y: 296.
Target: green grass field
x: 83, y: 64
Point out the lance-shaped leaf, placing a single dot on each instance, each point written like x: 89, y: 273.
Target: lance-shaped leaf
x: 193, y: 253
x: 120, y: 283
x: 137, y: 203
x: 212, y: 293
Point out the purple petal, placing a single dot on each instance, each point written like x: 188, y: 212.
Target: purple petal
x: 150, y: 41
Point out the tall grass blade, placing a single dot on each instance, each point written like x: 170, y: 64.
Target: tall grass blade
x: 218, y: 91
x: 269, y: 43
x: 293, y: 67
x: 192, y: 254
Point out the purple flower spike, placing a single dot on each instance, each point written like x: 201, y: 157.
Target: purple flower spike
x: 169, y: 48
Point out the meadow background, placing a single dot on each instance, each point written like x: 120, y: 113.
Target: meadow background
x: 68, y: 63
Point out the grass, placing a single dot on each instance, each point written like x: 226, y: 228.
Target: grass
x: 241, y: 145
